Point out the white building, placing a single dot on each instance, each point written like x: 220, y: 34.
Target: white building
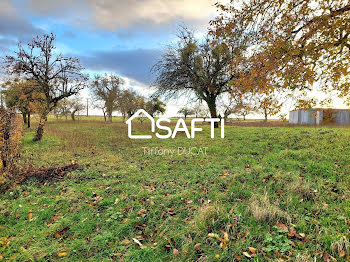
x: 317, y: 116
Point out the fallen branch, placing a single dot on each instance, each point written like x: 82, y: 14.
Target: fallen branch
x: 45, y: 174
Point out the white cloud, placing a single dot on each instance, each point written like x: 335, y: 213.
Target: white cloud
x: 115, y: 14
x: 6, y: 8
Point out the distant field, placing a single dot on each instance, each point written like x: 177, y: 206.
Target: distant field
x: 119, y: 118
x: 230, y: 122
x: 260, y: 193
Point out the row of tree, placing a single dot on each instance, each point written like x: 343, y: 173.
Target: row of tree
x: 47, y: 82
x: 256, y: 50
x: 107, y: 93
x: 109, y: 97
x: 69, y: 106
x: 265, y: 105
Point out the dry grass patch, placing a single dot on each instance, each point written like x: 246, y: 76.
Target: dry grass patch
x: 341, y: 247
x: 303, y: 189
x: 265, y: 211
x: 303, y: 258
x: 72, y: 136
x: 205, y: 216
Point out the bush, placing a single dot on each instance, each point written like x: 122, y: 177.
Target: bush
x: 10, y: 135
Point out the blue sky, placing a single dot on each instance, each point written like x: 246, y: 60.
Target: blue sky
x: 121, y: 36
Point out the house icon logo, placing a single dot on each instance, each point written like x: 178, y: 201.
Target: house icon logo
x: 137, y: 114
x: 179, y: 127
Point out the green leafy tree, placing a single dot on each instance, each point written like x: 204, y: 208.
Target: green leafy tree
x: 127, y: 103
x: 154, y: 106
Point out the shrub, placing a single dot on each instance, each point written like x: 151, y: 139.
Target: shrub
x: 10, y: 135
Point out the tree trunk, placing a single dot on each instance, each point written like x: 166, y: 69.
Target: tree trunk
x: 212, y: 108
x: 226, y: 115
x: 110, y: 116
x: 266, y: 115
x: 123, y: 118
x: 72, y: 115
x: 104, y: 116
x: 244, y: 117
x: 40, y: 130
x: 28, y: 119
x: 24, y: 118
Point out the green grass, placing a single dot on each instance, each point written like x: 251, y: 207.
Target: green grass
x: 244, y: 185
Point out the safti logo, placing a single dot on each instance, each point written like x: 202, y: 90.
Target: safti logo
x: 179, y: 127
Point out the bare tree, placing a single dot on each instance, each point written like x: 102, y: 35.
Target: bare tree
x: 62, y: 108
x: 106, y: 89
x: 200, y: 110
x: 186, y: 111
x: 202, y: 69
x: 57, y: 76
x: 76, y: 105
x: 227, y: 104
x: 100, y: 105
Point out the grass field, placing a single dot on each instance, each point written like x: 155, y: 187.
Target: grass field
x: 260, y: 193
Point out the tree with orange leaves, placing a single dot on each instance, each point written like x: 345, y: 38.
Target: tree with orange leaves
x: 24, y: 96
x: 290, y: 42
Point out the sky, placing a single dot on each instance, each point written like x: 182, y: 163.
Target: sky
x: 125, y: 37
